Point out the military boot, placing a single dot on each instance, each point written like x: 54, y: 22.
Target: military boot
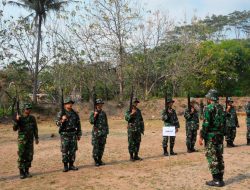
x: 193, y: 149
x: 131, y: 156
x: 220, y: 177
x: 189, y: 150
x: 172, y: 151
x: 216, y: 182
x: 248, y: 141
x: 137, y: 157
x: 100, y: 161
x: 66, y: 167
x: 22, y: 174
x: 27, y: 173
x: 165, y: 151
x: 97, y: 164
x: 229, y: 144
x: 72, y: 167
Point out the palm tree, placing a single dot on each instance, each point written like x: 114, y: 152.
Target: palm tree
x: 39, y: 9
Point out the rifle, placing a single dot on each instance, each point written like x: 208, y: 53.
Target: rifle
x: 189, y: 105
x: 63, y: 112
x: 94, y: 104
x: 201, y: 109
x: 131, y: 99
x: 13, y: 103
x: 17, y: 102
x: 166, y: 101
x: 226, y: 103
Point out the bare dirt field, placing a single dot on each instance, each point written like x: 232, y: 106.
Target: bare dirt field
x: 184, y: 171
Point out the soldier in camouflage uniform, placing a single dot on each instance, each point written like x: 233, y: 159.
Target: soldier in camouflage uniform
x: 248, y: 122
x: 27, y: 129
x: 231, y: 123
x: 212, y: 133
x: 192, y: 125
x: 99, y: 132
x: 135, y: 129
x: 70, y: 132
x: 170, y: 118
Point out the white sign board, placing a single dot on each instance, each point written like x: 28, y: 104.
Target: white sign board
x: 168, y: 131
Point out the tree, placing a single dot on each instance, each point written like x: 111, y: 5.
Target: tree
x: 39, y: 9
x: 112, y: 22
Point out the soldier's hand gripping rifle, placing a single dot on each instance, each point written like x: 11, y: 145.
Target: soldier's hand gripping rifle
x: 131, y: 99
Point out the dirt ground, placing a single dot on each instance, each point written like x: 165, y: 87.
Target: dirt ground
x: 184, y: 171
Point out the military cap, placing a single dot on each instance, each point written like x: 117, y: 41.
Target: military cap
x: 229, y: 99
x: 212, y: 95
x: 99, y: 101
x: 136, y: 100
x: 68, y: 100
x: 170, y: 99
x: 27, y: 106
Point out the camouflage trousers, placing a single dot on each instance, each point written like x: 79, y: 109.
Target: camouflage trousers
x: 165, y: 142
x: 191, y: 135
x: 98, y: 143
x: 214, y: 155
x: 134, y: 141
x: 68, y: 147
x: 25, y: 151
x: 230, y: 134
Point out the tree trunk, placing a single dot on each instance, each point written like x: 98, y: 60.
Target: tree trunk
x: 35, y: 79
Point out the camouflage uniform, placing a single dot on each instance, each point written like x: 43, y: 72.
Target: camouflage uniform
x: 248, y: 122
x: 27, y: 131
x: 212, y: 132
x: 231, y: 124
x: 99, y: 135
x: 69, y: 131
x: 170, y: 119
x: 192, y: 125
x: 135, y: 129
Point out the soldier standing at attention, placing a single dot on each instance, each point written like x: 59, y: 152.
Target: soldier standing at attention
x: 70, y: 132
x: 135, y: 129
x: 170, y: 119
x: 27, y: 129
x: 212, y: 133
x: 231, y: 123
x: 100, y: 131
x: 192, y: 125
x: 248, y: 122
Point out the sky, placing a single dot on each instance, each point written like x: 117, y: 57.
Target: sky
x: 178, y: 8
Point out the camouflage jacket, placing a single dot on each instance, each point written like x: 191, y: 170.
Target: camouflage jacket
x: 101, y: 127
x: 247, y: 108
x: 231, y: 118
x: 170, y: 119
x: 192, y: 120
x: 26, y: 126
x: 214, y: 123
x: 71, y: 126
x: 135, y: 121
